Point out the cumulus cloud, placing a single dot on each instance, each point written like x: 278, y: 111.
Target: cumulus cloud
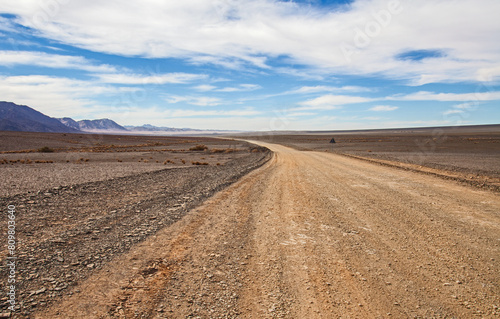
x: 366, y: 37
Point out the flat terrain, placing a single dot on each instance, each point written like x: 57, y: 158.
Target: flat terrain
x: 74, y: 216
x: 82, y: 158
x: 470, y: 154
x: 307, y: 235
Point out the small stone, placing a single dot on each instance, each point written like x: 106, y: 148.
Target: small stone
x: 37, y: 292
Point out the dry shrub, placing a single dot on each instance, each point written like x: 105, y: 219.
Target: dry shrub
x: 119, y: 160
x: 183, y: 161
x: 218, y: 164
x: 199, y: 163
x: 217, y: 150
x: 45, y: 149
x: 199, y: 147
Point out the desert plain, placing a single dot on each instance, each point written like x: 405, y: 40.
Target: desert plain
x: 379, y: 224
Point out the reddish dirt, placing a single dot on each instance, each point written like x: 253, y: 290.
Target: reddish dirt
x: 311, y: 235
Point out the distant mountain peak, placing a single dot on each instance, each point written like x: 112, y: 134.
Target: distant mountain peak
x: 14, y: 117
x: 100, y: 125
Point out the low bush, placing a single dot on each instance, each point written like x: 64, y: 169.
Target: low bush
x: 199, y: 163
x: 45, y: 149
x: 199, y: 147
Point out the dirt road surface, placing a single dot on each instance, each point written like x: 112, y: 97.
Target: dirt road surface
x: 312, y: 235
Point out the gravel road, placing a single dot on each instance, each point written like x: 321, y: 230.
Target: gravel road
x: 311, y: 235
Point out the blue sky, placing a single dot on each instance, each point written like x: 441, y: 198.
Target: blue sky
x: 255, y: 64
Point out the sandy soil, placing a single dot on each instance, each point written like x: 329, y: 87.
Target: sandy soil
x: 469, y: 154
x: 311, y: 235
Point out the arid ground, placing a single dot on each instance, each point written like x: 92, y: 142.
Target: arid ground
x: 469, y: 154
x: 82, y: 200
x: 307, y: 234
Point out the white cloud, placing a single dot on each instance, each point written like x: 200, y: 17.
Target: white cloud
x: 447, y: 97
x: 205, y: 87
x: 300, y: 114
x: 462, y: 108
x: 383, y: 108
x: 6, y: 25
x: 324, y: 88
x: 194, y: 100
x: 168, y: 78
x: 449, y: 112
x: 236, y: 33
x: 240, y: 88
x: 330, y: 102
x: 192, y: 113
x: 53, y: 96
x: 42, y: 59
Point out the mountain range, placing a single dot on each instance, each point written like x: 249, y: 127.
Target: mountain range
x: 92, y: 125
x: 15, y: 117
